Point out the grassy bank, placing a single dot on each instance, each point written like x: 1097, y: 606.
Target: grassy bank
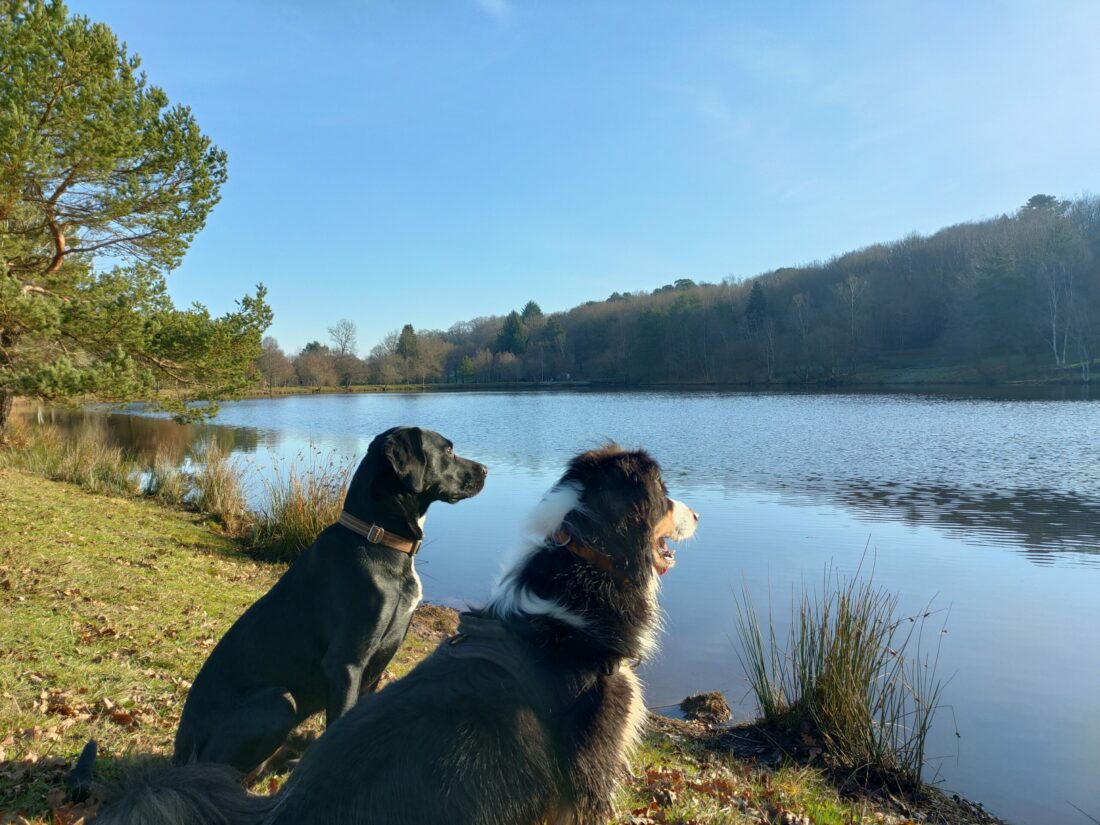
x: 299, y: 499
x: 111, y: 604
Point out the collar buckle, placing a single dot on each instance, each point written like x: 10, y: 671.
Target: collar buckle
x: 375, y: 534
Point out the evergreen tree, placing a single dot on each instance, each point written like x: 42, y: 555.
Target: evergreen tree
x: 513, y: 335
x: 103, y: 186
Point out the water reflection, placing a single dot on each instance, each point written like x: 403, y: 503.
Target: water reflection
x: 144, y: 436
x: 1039, y: 521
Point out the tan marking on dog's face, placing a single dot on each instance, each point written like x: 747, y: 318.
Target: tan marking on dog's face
x: 678, y: 523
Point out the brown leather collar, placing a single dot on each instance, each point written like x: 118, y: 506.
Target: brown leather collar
x: 376, y: 535
x: 601, y: 561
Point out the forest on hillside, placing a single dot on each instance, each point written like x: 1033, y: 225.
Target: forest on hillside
x: 1013, y: 296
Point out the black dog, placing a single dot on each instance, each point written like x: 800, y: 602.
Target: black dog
x: 327, y: 629
x: 525, y: 717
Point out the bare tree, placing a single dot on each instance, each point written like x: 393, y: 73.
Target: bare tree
x: 274, y: 365
x: 343, y: 335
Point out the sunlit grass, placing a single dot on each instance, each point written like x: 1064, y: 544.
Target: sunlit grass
x: 167, y: 482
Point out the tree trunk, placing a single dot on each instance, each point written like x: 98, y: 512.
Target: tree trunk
x: 6, y: 399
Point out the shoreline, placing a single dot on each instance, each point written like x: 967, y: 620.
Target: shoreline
x: 612, y: 386
x: 114, y: 602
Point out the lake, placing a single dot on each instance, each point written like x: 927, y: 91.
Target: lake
x: 987, y: 505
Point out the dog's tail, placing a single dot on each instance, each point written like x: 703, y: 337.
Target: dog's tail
x: 202, y: 794
x: 78, y: 783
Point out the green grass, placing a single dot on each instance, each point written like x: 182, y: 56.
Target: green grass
x: 679, y: 775
x: 110, y: 607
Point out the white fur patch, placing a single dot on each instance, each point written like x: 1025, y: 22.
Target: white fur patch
x: 509, y: 599
x: 647, y: 640
x: 419, y: 588
x: 558, y: 502
x: 635, y: 718
x: 684, y: 520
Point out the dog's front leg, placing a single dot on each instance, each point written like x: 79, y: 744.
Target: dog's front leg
x: 344, y: 679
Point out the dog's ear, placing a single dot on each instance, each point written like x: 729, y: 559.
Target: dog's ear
x: 405, y: 452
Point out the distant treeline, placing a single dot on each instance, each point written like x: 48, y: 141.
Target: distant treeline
x: 1014, y: 296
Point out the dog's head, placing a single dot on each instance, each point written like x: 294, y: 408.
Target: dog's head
x: 414, y: 465
x: 603, y: 541
x: 622, y: 509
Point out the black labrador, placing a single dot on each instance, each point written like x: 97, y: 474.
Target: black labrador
x: 325, y: 632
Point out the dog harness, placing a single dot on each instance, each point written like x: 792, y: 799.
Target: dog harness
x: 376, y: 535
x: 490, y: 640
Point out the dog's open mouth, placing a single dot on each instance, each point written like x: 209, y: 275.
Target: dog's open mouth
x: 664, y: 556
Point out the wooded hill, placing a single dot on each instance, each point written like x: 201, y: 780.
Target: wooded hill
x: 1016, y: 296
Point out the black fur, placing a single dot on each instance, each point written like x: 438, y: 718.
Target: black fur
x: 327, y: 629
x: 523, y: 720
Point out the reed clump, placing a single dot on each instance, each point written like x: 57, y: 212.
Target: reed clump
x: 301, y: 501
x: 84, y: 460
x: 218, y: 488
x: 167, y: 482
x: 850, y: 673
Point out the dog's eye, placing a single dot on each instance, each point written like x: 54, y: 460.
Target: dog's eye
x: 448, y: 450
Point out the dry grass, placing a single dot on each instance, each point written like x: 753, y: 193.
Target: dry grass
x: 301, y: 502
x: 166, y: 482
x: 84, y: 460
x: 219, y: 488
x: 300, y: 499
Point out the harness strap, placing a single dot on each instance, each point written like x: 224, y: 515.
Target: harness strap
x: 376, y: 535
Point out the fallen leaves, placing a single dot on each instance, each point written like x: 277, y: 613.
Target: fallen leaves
x: 665, y: 787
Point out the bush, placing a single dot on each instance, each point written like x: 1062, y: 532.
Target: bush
x: 851, y: 673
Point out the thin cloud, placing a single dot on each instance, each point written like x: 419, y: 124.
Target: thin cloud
x: 499, y: 10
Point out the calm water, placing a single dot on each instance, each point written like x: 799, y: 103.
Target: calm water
x: 990, y: 507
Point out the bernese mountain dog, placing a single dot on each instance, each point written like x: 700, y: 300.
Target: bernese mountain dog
x: 526, y: 716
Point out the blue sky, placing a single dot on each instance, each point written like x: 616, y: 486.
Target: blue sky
x: 430, y: 161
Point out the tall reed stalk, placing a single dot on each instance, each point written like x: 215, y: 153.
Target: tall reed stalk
x: 852, y: 672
